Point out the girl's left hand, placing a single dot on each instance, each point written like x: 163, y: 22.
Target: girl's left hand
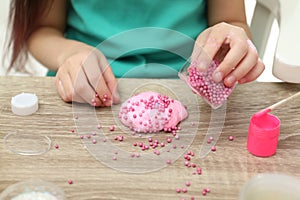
x: 235, y: 52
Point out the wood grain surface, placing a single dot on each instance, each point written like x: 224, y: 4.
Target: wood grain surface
x: 224, y: 171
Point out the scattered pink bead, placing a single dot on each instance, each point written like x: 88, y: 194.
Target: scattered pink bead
x: 199, y: 171
x: 112, y: 128
x: 70, y: 181
x: 134, y: 144
x: 94, y: 141
x: 187, y: 183
x: 121, y: 138
x: 204, y: 192
x: 105, y: 97
x: 207, y: 190
x: 115, y: 158
x: 88, y: 136
x: 213, y: 148
x: 99, y: 126
x: 184, y: 190
x: 72, y: 130
x: 192, y: 198
x: 156, y: 152
x: 56, y: 146
x: 231, y: 138
x: 178, y: 190
x: 169, y: 140
x: 81, y: 136
x: 168, y: 162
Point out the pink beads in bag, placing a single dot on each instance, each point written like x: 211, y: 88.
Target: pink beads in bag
x: 201, y: 82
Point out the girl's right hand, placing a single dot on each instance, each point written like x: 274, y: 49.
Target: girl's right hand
x: 86, y: 77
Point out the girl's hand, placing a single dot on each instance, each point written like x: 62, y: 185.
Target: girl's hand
x: 86, y: 77
x: 235, y: 52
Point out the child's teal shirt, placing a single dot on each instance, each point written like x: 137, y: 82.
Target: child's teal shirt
x: 140, y: 38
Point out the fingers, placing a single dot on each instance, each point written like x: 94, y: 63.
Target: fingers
x: 112, y: 84
x: 87, y: 78
x: 83, y: 89
x: 65, y: 87
x: 102, y: 78
x: 243, y: 68
x: 110, y: 79
x: 254, y: 73
x: 234, y: 56
x: 230, y: 46
x: 217, y: 36
x: 95, y: 78
x: 199, y: 44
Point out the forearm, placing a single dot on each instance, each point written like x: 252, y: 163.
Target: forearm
x: 51, y: 48
x: 231, y: 12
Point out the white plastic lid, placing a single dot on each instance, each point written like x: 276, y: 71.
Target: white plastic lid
x: 24, y: 104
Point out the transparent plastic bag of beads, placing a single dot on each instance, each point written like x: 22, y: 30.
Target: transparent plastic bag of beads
x: 197, y: 74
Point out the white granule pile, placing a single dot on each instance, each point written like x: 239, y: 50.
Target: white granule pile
x: 35, y: 196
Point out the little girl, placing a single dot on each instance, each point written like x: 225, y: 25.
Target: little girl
x: 63, y: 35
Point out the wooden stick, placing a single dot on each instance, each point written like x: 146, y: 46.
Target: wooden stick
x: 272, y: 107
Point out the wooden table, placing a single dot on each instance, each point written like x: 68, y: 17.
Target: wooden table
x: 224, y: 171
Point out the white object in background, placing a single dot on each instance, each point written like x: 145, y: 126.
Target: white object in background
x: 271, y: 186
x: 287, y: 60
x: 286, y: 64
x: 24, y: 104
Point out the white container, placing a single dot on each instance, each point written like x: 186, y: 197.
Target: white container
x: 271, y: 187
x: 33, y: 189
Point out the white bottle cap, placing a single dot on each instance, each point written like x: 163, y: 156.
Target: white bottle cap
x: 24, y: 104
